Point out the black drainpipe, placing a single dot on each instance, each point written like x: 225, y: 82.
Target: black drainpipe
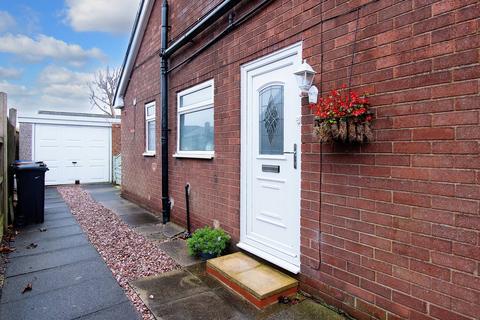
x: 164, y: 92
x: 165, y: 52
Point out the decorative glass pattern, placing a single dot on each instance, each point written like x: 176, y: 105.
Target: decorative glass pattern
x: 271, y: 120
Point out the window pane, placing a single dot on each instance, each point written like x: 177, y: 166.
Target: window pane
x: 150, y: 110
x: 151, y: 136
x: 196, y: 131
x: 201, y: 95
x: 271, y: 120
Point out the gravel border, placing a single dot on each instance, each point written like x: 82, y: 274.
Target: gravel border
x: 129, y: 255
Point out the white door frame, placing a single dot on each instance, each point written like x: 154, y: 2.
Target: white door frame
x: 294, y: 51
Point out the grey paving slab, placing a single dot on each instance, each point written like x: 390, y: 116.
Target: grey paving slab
x: 138, y: 219
x: 149, y: 229
x: 122, y: 311
x: 51, y: 190
x: 168, y: 287
x: 44, y: 281
x: 306, y: 310
x: 93, y: 186
x: 52, y: 196
x: 68, y: 221
x: 57, y: 215
x: 20, y: 265
x: 105, y: 196
x: 26, y: 247
x: 69, y: 278
x: 67, y: 303
x: 56, y: 210
x: 171, y: 230
x: 153, y: 232
x: 54, y: 201
x: 55, y: 205
x: 50, y: 233
x: 202, y: 306
x: 122, y: 207
x: 177, y: 249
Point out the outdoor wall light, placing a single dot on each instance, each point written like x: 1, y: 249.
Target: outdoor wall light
x: 119, y: 103
x: 304, y: 75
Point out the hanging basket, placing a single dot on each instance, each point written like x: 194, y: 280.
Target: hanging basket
x: 343, y: 116
x: 346, y: 130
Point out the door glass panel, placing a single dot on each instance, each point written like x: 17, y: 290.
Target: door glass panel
x: 271, y: 120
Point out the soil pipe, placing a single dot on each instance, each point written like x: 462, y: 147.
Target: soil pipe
x: 164, y: 102
x: 165, y: 52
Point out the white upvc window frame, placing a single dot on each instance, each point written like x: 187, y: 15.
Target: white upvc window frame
x: 204, y: 105
x: 148, y: 119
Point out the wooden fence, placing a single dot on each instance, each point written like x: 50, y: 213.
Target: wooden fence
x: 8, y: 152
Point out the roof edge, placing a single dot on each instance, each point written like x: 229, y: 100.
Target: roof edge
x: 141, y: 21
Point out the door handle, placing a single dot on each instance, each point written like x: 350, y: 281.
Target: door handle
x: 294, y: 152
x: 74, y: 162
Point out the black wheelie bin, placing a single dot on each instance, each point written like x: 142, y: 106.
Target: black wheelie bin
x: 30, y: 192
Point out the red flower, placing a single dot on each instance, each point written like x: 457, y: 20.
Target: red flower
x: 340, y: 103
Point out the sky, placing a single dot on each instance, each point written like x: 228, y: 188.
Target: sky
x: 50, y: 49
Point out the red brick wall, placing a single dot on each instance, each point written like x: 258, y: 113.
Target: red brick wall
x: 116, y: 139
x: 399, y: 218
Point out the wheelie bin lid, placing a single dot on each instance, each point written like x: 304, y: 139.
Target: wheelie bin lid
x: 26, y: 162
x: 37, y: 166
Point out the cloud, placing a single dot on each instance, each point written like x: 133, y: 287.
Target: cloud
x: 101, y: 15
x: 63, y: 87
x: 19, y: 96
x: 53, y: 74
x: 14, y: 89
x: 6, y: 21
x: 10, y: 73
x: 45, y: 47
x: 56, y: 88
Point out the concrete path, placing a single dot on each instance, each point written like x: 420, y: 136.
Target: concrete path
x: 144, y: 222
x: 189, y: 293
x: 69, y: 278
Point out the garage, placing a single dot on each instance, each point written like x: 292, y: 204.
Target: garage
x: 76, y: 147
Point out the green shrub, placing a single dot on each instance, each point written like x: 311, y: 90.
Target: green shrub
x: 208, y: 240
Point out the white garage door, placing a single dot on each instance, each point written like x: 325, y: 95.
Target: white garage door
x: 73, y: 153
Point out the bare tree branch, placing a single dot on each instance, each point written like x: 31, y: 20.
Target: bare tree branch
x: 102, y: 90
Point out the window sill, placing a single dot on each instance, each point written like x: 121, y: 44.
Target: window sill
x: 148, y: 154
x: 194, y: 156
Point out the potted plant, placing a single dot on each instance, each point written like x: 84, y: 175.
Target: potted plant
x: 208, y: 242
x: 343, y: 115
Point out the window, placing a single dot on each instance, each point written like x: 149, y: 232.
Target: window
x: 195, y: 137
x: 150, y: 129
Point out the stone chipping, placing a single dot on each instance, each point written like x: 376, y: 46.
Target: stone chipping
x: 129, y: 255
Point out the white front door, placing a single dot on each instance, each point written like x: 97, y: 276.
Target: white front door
x: 73, y: 153
x: 270, y: 178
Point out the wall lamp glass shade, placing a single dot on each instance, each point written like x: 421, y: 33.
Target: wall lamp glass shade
x: 119, y: 103
x: 304, y: 76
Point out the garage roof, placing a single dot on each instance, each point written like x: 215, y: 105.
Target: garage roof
x: 72, y: 118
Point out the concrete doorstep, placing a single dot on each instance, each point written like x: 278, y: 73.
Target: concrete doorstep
x: 191, y: 294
